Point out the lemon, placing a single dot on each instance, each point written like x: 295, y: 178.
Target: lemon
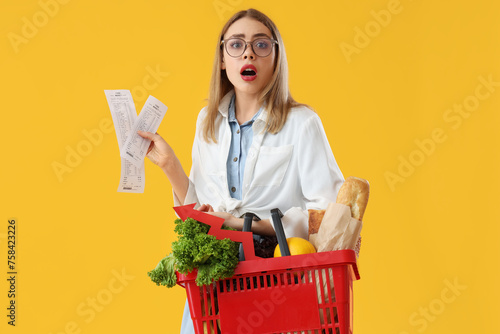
x: 297, y: 246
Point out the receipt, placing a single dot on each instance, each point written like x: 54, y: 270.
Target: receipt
x: 121, y: 105
x: 136, y: 147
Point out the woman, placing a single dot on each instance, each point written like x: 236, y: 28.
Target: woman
x: 255, y: 147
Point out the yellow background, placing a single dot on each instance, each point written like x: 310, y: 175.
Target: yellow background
x: 435, y: 226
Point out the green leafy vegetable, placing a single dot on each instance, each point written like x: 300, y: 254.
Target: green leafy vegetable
x: 195, y: 249
x: 164, y: 273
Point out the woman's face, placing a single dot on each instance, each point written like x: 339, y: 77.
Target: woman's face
x: 247, y: 81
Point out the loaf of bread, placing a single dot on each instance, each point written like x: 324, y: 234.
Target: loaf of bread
x: 315, y: 218
x: 354, y: 193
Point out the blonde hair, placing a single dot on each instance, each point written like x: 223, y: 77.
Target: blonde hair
x: 275, y: 94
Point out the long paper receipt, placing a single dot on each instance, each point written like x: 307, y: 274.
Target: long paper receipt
x: 136, y: 147
x: 121, y: 105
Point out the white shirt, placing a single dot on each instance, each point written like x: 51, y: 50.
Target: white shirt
x: 293, y: 170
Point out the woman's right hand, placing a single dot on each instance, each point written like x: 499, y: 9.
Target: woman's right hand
x: 159, y: 152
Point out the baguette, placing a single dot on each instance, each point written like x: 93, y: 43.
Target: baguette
x: 354, y: 193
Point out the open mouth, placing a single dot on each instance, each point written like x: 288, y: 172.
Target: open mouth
x: 248, y: 72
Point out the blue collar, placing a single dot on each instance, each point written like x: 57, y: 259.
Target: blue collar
x: 232, y: 113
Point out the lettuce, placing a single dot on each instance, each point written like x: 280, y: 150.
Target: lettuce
x: 164, y: 273
x: 195, y: 249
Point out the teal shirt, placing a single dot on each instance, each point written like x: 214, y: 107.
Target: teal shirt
x: 241, y: 140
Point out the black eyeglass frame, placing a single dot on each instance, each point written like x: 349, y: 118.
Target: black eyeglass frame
x: 224, y: 41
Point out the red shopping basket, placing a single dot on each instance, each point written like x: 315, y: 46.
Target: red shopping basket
x: 310, y: 293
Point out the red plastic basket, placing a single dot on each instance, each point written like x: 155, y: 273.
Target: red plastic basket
x: 292, y: 294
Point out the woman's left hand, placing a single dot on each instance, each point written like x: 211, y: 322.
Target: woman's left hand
x: 262, y: 227
x: 229, y: 220
x: 206, y: 208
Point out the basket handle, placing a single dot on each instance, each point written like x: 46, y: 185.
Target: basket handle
x: 246, y: 238
x: 280, y: 233
x: 247, y: 227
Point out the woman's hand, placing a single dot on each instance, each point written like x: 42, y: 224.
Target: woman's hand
x: 206, y: 208
x: 262, y: 227
x: 159, y: 152
x: 229, y: 219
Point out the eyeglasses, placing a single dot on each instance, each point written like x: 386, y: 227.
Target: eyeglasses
x: 235, y: 47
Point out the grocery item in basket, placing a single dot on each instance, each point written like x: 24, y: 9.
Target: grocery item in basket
x: 315, y: 218
x: 195, y: 249
x: 164, y: 273
x: 297, y: 246
x: 339, y: 226
x: 354, y: 193
x: 264, y: 245
x: 338, y: 229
